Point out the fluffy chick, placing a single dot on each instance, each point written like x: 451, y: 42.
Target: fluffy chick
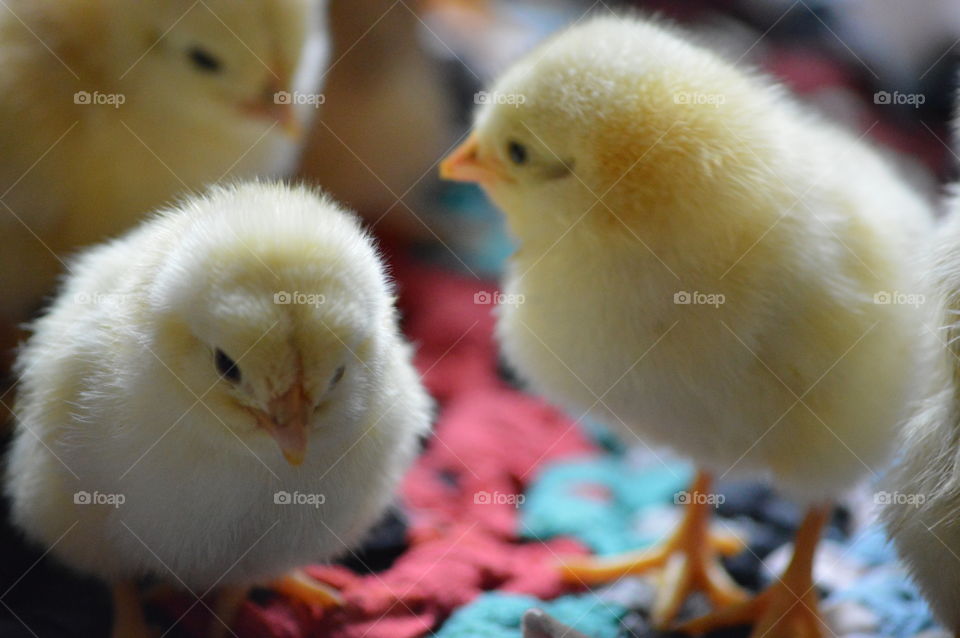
x: 921, y: 497
x: 177, y: 368
x: 110, y: 109
x: 704, y: 265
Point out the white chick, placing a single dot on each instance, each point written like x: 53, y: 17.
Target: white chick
x: 177, y: 369
x: 707, y: 266
x: 110, y: 109
x: 921, y: 497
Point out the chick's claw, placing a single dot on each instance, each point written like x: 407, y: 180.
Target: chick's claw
x: 300, y: 586
x: 685, y: 573
x: 297, y: 585
x: 786, y: 609
x: 778, y: 612
x: 689, y: 561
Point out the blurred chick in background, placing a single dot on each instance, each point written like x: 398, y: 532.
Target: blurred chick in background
x: 386, y: 112
x: 207, y: 368
x: 922, y: 508
x: 706, y: 266
x: 110, y: 108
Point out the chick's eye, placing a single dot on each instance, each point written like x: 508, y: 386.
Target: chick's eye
x: 337, y: 375
x: 227, y: 367
x: 204, y: 60
x: 517, y: 153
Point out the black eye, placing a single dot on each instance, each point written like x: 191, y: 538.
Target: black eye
x: 337, y: 375
x: 204, y: 60
x: 227, y: 367
x: 517, y: 152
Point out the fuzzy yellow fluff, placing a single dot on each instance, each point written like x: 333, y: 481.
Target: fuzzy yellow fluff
x: 703, y: 263
x: 123, y: 395
x: 110, y: 108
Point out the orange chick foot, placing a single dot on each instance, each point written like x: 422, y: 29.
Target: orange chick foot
x: 786, y: 609
x: 300, y: 586
x: 778, y: 612
x: 689, y: 561
x: 296, y: 585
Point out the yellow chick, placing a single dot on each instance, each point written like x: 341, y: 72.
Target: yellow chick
x: 703, y: 265
x: 921, y: 498
x: 214, y: 399
x: 110, y: 108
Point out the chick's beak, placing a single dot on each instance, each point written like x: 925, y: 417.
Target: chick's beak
x: 464, y: 164
x: 289, y: 417
x: 275, y: 105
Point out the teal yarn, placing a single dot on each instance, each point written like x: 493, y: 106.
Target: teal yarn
x: 498, y: 615
x: 597, y: 501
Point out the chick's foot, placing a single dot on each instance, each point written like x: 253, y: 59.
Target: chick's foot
x: 786, y: 609
x: 297, y: 585
x: 300, y: 586
x: 689, y: 561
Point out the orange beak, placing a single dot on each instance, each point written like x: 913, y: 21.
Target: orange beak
x: 289, y: 416
x: 287, y: 119
x: 275, y: 105
x: 464, y: 164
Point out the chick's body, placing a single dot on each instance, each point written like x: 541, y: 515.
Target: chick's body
x: 110, y: 110
x: 729, y: 275
x: 921, y: 496
x: 120, y: 395
x: 786, y: 366
x: 702, y: 264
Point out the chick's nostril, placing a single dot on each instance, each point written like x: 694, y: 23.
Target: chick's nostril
x: 290, y: 405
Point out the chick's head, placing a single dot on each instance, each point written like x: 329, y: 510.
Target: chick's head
x: 222, y: 63
x: 616, y: 120
x: 275, y: 312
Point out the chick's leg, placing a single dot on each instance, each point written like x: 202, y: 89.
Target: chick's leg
x: 225, y: 610
x: 128, y: 620
x: 689, y: 560
x: 789, y: 607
